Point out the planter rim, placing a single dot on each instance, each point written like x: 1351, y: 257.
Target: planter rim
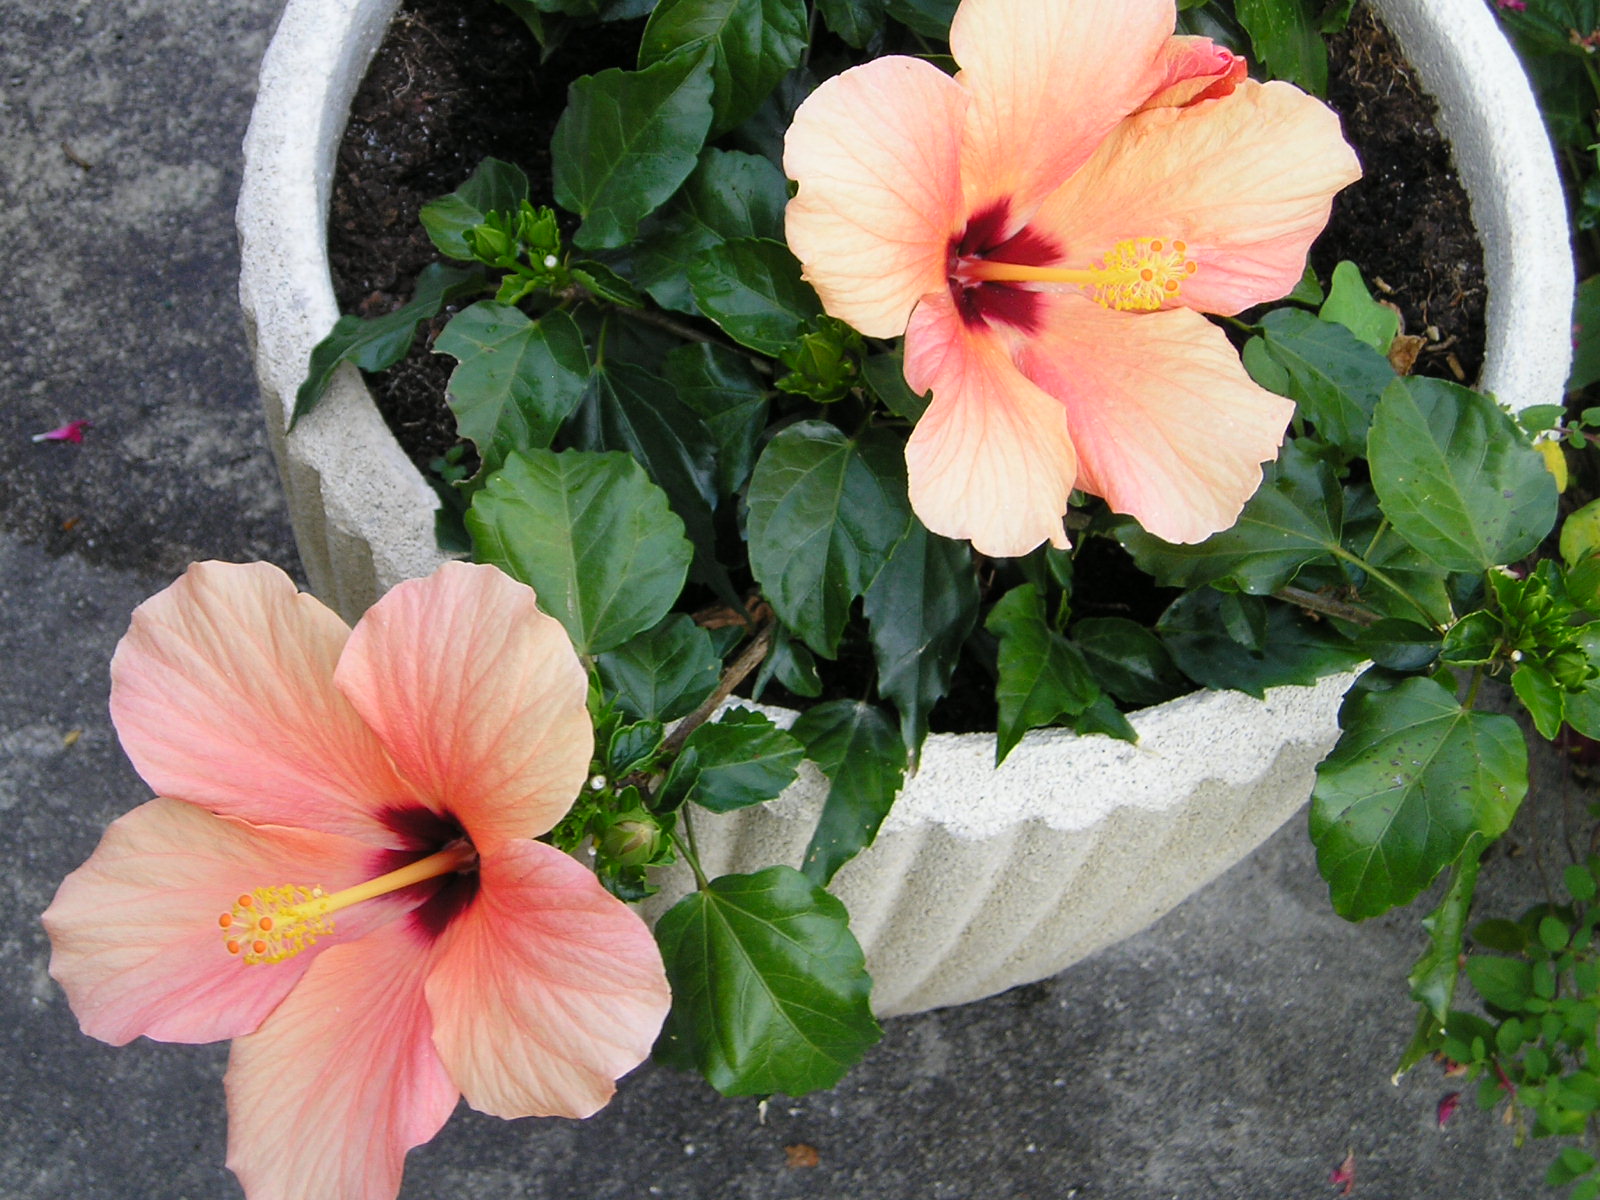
x: 376, y: 507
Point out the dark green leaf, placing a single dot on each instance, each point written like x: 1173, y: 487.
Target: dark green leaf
x: 1502, y: 982
x: 590, y: 534
x: 1413, y: 778
x: 382, y: 341
x: 826, y: 511
x: 1399, y: 645
x: 515, y: 380
x: 1043, y: 677
x: 1540, y: 695
x: 1351, y: 305
x: 631, y: 746
x: 1433, y: 978
x: 1284, y: 34
x: 885, y: 375
x: 930, y: 18
x: 627, y: 408
x: 605, y: 284
x: 1295, y: 518
x: 1293, y: 650
x: 1508, y: 937
x: 1586, y: 336
x: 1334, y: 378
x: 1103, y: 716
x: 853, y: 21
x: 770, y: 991
x: 664, y: 673
x: 1456, y: 477
x: 740, y: 759
x: 729, y: 195
x: 791, y: 665
x: 627, y: 140
x: 752, y: 288
x: 1403, y: 582
x: 1472, y: 640
x: 1580, y: 882
x: 919, y: 611
x: 494, y: 186
x: 752, y: 43
x: 723, y: 389
x: 865, y: 762
x: 1128, y: 660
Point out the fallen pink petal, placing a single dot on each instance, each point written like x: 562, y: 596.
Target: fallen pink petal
x: 341, y: 872
x: 1046, y: 229
x: 72, y: 432
x: 1343, y: 1176
x: 1447, y: 1108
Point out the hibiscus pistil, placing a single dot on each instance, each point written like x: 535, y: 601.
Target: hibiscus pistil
x: 275, y: 923
x: 1136, y: 275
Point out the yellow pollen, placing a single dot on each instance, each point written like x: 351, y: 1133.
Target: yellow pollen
x: 1138, y: 275
x: 288, y: 917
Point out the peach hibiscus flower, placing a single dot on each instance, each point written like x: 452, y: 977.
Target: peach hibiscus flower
x: 1045, y: 229
x: 340, y: 872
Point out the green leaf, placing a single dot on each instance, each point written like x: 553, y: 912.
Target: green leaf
x: 792, y: 665
x: 919, y: 611
x: 930, y: 18
x: 752, y: 288
x: 1334, y: 378
x: 826, y: 512
x: 752, y: 43
x: 1503, y: 982
x: 515, y: 380
x: 1472, y: 640
x: 1292, y: 649
x: 738, y: 760
x: 631, y: 746
x: 629, y: 409
x: 729, y: 195
x: 494, y: 186
x: 1433, y: 978
x: 382, y: 341
x: 1103, y: 716
x: 1399, y: 645
x: 1284, y: 35
x: 885, y: 375
x: 1351, y: 305
x: 1586, y: 336
x: 627, y: 140
x: 664, y: 673
x: 605, y: 284
x: 1541, y: 695
x: 1293, y: 519
x: 1456, y: 477
x: 1580, y: 882
x: 853, y: 21
x: 590, y: 534
x: 1128, y: 660
x: 1042, y: 676
x: 1580, y: 533
x: 723, y: 389
x: 865, y: 762
x: 1413, y: 778
x: 770, y: 991
x: 1569, y: 1165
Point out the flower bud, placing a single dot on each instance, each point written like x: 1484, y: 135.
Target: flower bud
x: 632, y: 839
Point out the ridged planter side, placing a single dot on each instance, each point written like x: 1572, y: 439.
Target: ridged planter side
x: 981, y: 878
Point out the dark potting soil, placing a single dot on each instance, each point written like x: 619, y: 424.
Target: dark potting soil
x: 457, y: 80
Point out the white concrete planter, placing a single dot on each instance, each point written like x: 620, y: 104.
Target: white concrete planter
x: 981, y: 879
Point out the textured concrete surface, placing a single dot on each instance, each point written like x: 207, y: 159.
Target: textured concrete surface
x: 1238, y: 1049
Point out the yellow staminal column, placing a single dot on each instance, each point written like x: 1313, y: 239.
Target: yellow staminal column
x: 1138, y: 275
x: 277, y: 922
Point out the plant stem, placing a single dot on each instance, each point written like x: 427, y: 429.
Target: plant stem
x: 747, y: 661
x: 1327, y: 605
x: 1472, y: 687
x: 686, y: 847
x: 649, y: 316
x: 1381, y: 577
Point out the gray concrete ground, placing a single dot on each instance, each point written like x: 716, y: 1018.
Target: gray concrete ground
x: 1238, y: 1049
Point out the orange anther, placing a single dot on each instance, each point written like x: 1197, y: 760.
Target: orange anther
x: 1180, y: 247
x: 258, y: 946
x: 233, y: 947
x: 1189, y: 268
x: 1147, y: 274
x: 246, y: 901
x: 1156, y: 246
x: 225, y: 920
x: 1172, y: 285
x: 265, y: 924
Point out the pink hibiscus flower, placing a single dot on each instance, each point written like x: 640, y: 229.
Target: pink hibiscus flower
x: 1045, y: 229
x: 340, y: 872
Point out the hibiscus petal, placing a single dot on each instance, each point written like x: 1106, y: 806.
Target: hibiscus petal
x: 134, y: 931
x: 1246, y: 181
x: 327, y: 1096
x: 1167, y: 424
x: 1048, y: 81
x: 1191, y: 69
x: 547, y: 989
x: 875, y: 151
x: 478, y: 696
x: 222, y: 693
x: 991, y: 459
